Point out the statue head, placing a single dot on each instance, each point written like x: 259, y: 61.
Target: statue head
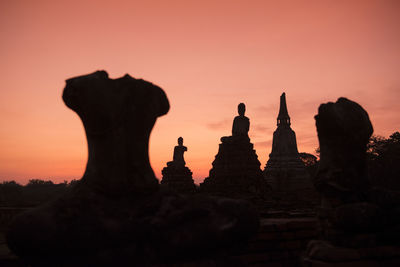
x: 180, y: 141
x: 241, y: 109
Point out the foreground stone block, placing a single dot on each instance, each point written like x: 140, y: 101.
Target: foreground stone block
x: 355, y: 219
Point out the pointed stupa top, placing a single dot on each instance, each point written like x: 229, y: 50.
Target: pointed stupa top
x: 283, y: 116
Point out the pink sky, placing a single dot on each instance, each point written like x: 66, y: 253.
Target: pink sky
x: 208, y: 56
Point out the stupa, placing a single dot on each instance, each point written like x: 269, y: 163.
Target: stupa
x: 285, y: 171
x: 236, y: 169
x: 176, y: 175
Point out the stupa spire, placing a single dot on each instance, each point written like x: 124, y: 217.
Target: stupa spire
x: 283, y: 116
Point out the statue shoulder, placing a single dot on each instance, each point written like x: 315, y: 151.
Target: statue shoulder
x: 240, y: 118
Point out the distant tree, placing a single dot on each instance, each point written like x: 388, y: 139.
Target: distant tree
x: 73, y: 182
x: 383, y: 160
x: 38, y: 182
x: 310, y: 162
x: 318, y: 152
x: 308, y: 159
x: 383, y: 157
x: 35, y: 192
x: 9, y: 187
x: 10, y: 193
x: 38, y: 191
x: 376, y: 147
x: 10, y: 184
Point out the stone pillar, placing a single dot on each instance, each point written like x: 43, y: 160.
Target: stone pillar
x: 359, y: 224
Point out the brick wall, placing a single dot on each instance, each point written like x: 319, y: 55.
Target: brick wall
x: 280, y: 242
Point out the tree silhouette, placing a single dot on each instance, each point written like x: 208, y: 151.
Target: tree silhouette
x: 308, y: 159
x: 310, y: 162
x: 383, y: 157
x: 35, y: 192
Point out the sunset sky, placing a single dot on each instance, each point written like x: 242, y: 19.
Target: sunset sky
x: 207, y: 55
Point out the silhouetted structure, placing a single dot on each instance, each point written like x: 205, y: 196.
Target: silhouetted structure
x: 117, y: 214
x: 360, y: 224
x: 34, y: 193
x: 236, y: 170
x: 241, y: 124
x: 176, y: 175
x: 285, y: 171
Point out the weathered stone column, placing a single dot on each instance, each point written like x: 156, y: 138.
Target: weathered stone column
x: 359, y: 224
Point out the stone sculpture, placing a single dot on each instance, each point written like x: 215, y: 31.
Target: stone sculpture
x: 241, y: 124
x: 240, y: 127
x: 176, y: 175
x: 178, y: 154
x: 359, y: 224
x: 236, y: 168
x: 117, y: 214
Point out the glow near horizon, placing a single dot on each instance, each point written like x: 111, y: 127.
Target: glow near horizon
x: 208, y: 56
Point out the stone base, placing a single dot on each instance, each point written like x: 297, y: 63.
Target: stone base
x: 85, y: 228
x: 287, y: 173
x: 322, y: 253
x: 288, y: 180
x: 236, y: 170
x: 292, y: 188
x: 179, y: 179
x: 235, y: 186
x: 360, y: 224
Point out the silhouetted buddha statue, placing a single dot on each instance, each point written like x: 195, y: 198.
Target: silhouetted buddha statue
x: 240, y: 127
x: 178, y: 159
x: 236, y: 168
x: 241, y: 123
x: 176, y: 175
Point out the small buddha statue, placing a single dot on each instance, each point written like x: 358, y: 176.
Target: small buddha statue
x: 241, y: 123
x: 178, y: 159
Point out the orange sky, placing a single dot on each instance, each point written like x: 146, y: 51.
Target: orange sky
x: 207, y: 55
